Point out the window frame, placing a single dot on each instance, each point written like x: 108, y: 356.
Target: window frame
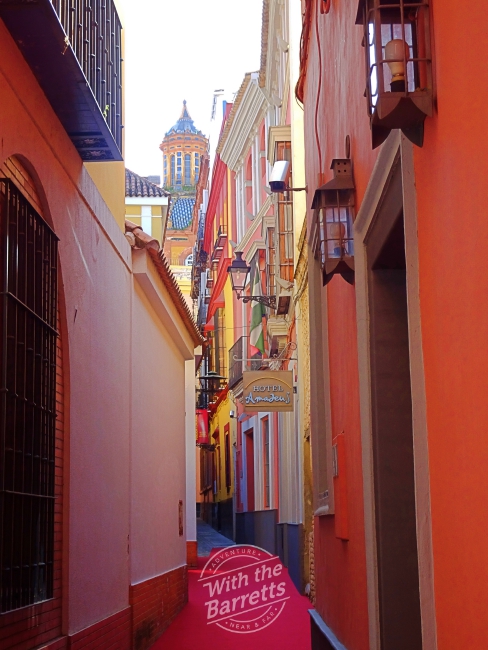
x: 28, y: 349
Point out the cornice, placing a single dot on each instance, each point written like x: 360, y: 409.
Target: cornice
x: 274, y: 42
x: 257, y: 223
x: 277, y: 134
x: 256, y: 245
x: 268, y: 221
x: 249, y: 113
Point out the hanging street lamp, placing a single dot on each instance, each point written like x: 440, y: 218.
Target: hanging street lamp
x: 332, y: 228
x: 239, y: 272
x: 399, y: 84
x: 212, y: 383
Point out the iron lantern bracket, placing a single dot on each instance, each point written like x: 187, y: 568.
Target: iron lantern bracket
x: 267, y: 301
x: 206, y: 446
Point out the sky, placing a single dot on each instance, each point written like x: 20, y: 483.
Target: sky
x: 184, y: 49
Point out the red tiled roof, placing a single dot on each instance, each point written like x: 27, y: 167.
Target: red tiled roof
x: 136, y: 185
x: 174, y: 290
x: 138, y: 239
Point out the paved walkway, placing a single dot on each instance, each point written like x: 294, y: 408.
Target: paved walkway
x: 191, y: 631
x: 208, y: 538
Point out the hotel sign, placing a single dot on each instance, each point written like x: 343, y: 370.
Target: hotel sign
x: 268, y: 390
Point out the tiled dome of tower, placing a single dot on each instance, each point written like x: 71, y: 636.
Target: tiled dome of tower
x: 183, y: 147
x: 184, y: 124
x: 181, y: 212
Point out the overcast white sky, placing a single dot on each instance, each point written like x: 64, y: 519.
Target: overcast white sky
x: 176, y: 50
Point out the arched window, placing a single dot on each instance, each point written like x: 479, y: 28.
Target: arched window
x: 189, y: 260
x: 172, y: 170
x: 197, y: 167
x: 28, y: 281
x: 187, y: 169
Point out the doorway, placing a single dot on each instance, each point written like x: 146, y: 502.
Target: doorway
x: 250, y: 470
x: 392, y: 430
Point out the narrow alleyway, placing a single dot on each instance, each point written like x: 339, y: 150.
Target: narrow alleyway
x: 209, y: 538
x: 190, y: 630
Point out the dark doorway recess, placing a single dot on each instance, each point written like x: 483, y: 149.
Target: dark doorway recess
x: 391, y: 395
x: 250, y: 470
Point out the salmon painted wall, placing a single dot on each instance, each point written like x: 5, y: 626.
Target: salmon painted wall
x: 96, y: 288
x: 95, y: 271
x: 451, y: 171
x: 333, y: 110
x: 157, y: 445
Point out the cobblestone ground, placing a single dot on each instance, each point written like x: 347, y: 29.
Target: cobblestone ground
x: 208, y: 538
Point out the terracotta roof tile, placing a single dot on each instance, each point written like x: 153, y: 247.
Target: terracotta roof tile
x: 138, y: 239
x: 136, y: 185
x: 174, y: 290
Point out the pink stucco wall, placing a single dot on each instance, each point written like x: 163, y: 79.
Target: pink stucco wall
x: 158, y: 445
x: 96, y: 289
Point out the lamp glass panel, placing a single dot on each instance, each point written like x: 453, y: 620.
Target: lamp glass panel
x: 238, y: 279
x: 392, y: 23
x: 373, y: 70
x: 338, y: 229
x: 393, y: 31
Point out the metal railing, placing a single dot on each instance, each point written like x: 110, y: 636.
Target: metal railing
x: 28, y: 343
x: 202, y: 314
x: 94, y: 31
x: 240, y: 361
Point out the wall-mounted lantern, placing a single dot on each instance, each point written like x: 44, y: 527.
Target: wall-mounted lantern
x: 239, y: 271
x: 212, y: 383
x: 332, y: 229
x: 399, y: 86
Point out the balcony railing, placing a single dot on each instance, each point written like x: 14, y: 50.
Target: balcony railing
x: 74, y: 49
x: 220, y: 243
x: 239, y: 361
x: 202, y: 313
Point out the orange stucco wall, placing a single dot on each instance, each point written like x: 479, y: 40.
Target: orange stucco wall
x: 333, y: 110
x: 451, y: 171
x: 450, y: 176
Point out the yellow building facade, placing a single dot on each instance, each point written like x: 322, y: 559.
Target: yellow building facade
x: 146, y: 205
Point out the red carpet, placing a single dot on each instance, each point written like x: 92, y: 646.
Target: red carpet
x: 189, y: 631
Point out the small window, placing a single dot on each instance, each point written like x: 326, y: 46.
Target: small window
x: 285, y: 220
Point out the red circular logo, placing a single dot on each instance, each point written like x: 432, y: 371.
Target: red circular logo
x: 245, y: 590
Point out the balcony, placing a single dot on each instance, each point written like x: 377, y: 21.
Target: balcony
x: 73, y: 47
x: 202, y: 314
x: 239, y: 361
x: 220, y: 243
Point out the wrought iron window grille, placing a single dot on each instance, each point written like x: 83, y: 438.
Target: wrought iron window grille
x: 28, y: 307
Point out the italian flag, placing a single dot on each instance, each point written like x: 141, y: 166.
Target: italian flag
x: 256, y: 338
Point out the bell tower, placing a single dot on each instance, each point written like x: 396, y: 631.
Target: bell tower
x: 182, y: 147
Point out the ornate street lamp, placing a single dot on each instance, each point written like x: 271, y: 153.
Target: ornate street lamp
x: 239, y: 271
x: 332, y: 229
x: 211, y: 383
x: 399, y: 86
